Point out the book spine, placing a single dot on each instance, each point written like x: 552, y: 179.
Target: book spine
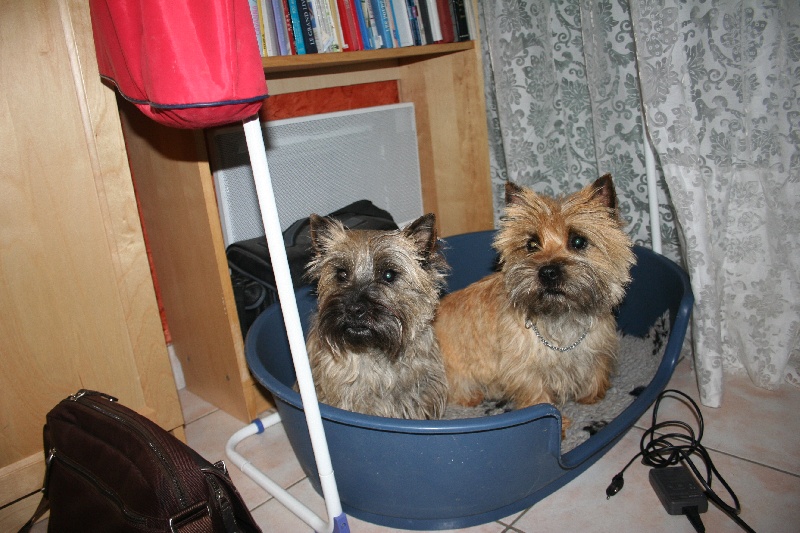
x: 307, y: 25
x: 268, y: 27
x: 402, y: 18
x: 392, y: 23
x: 297, y: 29
x: 445, y: 20
x: 471, y: 29
x: 257, y: 24
x: 460, y: 25
x: 349, y: 21
x: 364, y: 30
x: 382, y: 23
x: 280, y: 28
x: 324, y: 31
x: 287, y: 22
x: 369, y: 16
x: 337, y: 24
x: 420, y: 24
x: 261, y: 27
x: 435, y: 23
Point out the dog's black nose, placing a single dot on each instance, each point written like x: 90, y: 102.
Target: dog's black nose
x: 356, y: 310
x: 550, y: 274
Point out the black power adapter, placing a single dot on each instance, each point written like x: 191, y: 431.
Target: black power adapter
x: 677, y: 489
x: 679, y: 493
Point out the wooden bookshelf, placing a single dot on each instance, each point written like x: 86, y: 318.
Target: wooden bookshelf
x: 282, y: 64
x: 175, y: 188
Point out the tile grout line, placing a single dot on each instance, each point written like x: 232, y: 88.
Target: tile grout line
x: 517, y: 519
x: 270, y: 497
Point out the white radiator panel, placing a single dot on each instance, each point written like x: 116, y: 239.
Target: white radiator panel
x: 318, y: 164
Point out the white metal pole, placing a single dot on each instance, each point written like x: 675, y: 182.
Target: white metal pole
x: 652, y: 190
x: 291, y: 317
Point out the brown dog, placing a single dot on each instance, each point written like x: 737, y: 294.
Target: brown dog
x: 371, y: 345
x: 542, y: 329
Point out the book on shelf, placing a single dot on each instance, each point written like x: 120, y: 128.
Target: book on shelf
x: 471, y: 20
x: 271, y: 47
x: 261, y: 29
x: 435, y: 23
x: 460, y: 24
x: 423, y: 21
x: 324, y: 29
x: 281, y: 30
x: 296, y: 27
x: 293, y: 16
x: 256, y: 24
x: 402, y: 23
x: 348, y: 18
x: 384, y: 31
x: 445, y: 20
x: 337, y: 24
x: 307, y: 25
x: 364, y: 28
x: 419, y: 23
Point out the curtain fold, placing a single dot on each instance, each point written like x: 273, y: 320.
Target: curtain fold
x: 722, y: 100
x: 720, y: 82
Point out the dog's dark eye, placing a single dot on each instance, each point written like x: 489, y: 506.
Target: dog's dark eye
x: 342, y: 275
x: 533, y: 244
x: 577, y: 242
x: 389, y: 275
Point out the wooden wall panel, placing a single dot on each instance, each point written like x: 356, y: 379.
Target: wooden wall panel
x: 77, y: 304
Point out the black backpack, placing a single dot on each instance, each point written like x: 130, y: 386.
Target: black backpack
x: 251, y: 270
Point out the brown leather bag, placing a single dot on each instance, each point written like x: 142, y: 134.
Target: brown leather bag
x: 111, y: 469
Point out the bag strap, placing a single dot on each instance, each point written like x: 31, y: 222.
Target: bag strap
x: 44, y: 505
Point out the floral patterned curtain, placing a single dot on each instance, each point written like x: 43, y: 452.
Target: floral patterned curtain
x: 720, y: 81
x: 564, y: 104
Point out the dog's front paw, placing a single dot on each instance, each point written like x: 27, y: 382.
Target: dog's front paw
x: 496, y: 407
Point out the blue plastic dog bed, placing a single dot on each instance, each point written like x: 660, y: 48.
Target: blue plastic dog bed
x: 448, y: 474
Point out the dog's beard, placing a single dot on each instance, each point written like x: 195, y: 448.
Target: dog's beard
x: 378, y: 329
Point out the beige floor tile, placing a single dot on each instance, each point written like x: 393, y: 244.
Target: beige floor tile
x: 272, y: 516
x: 194, y: 407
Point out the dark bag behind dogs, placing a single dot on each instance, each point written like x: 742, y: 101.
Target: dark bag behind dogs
x: 111, y: 469
x: 251, y: 267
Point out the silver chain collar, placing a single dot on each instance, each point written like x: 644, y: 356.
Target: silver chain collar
x: 530, y: 325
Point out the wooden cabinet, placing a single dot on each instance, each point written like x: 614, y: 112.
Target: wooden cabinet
x: 176, y: 191
x: 76, y: 294
x: 77, y: 305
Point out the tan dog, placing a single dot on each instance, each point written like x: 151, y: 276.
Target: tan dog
x: 542, y: 329
x: 371, y: 344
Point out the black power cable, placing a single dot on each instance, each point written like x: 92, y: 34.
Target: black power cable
x: 672, y: 448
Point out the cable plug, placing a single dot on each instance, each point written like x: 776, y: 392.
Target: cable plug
x: 616, y: 485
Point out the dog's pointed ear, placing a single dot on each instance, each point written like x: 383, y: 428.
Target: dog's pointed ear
x: 603, y: 191
x: 321, y: 232
x: 513, y: 193
x: 423, y: 233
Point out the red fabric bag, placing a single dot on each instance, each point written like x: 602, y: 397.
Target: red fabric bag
x: 184, y: 63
